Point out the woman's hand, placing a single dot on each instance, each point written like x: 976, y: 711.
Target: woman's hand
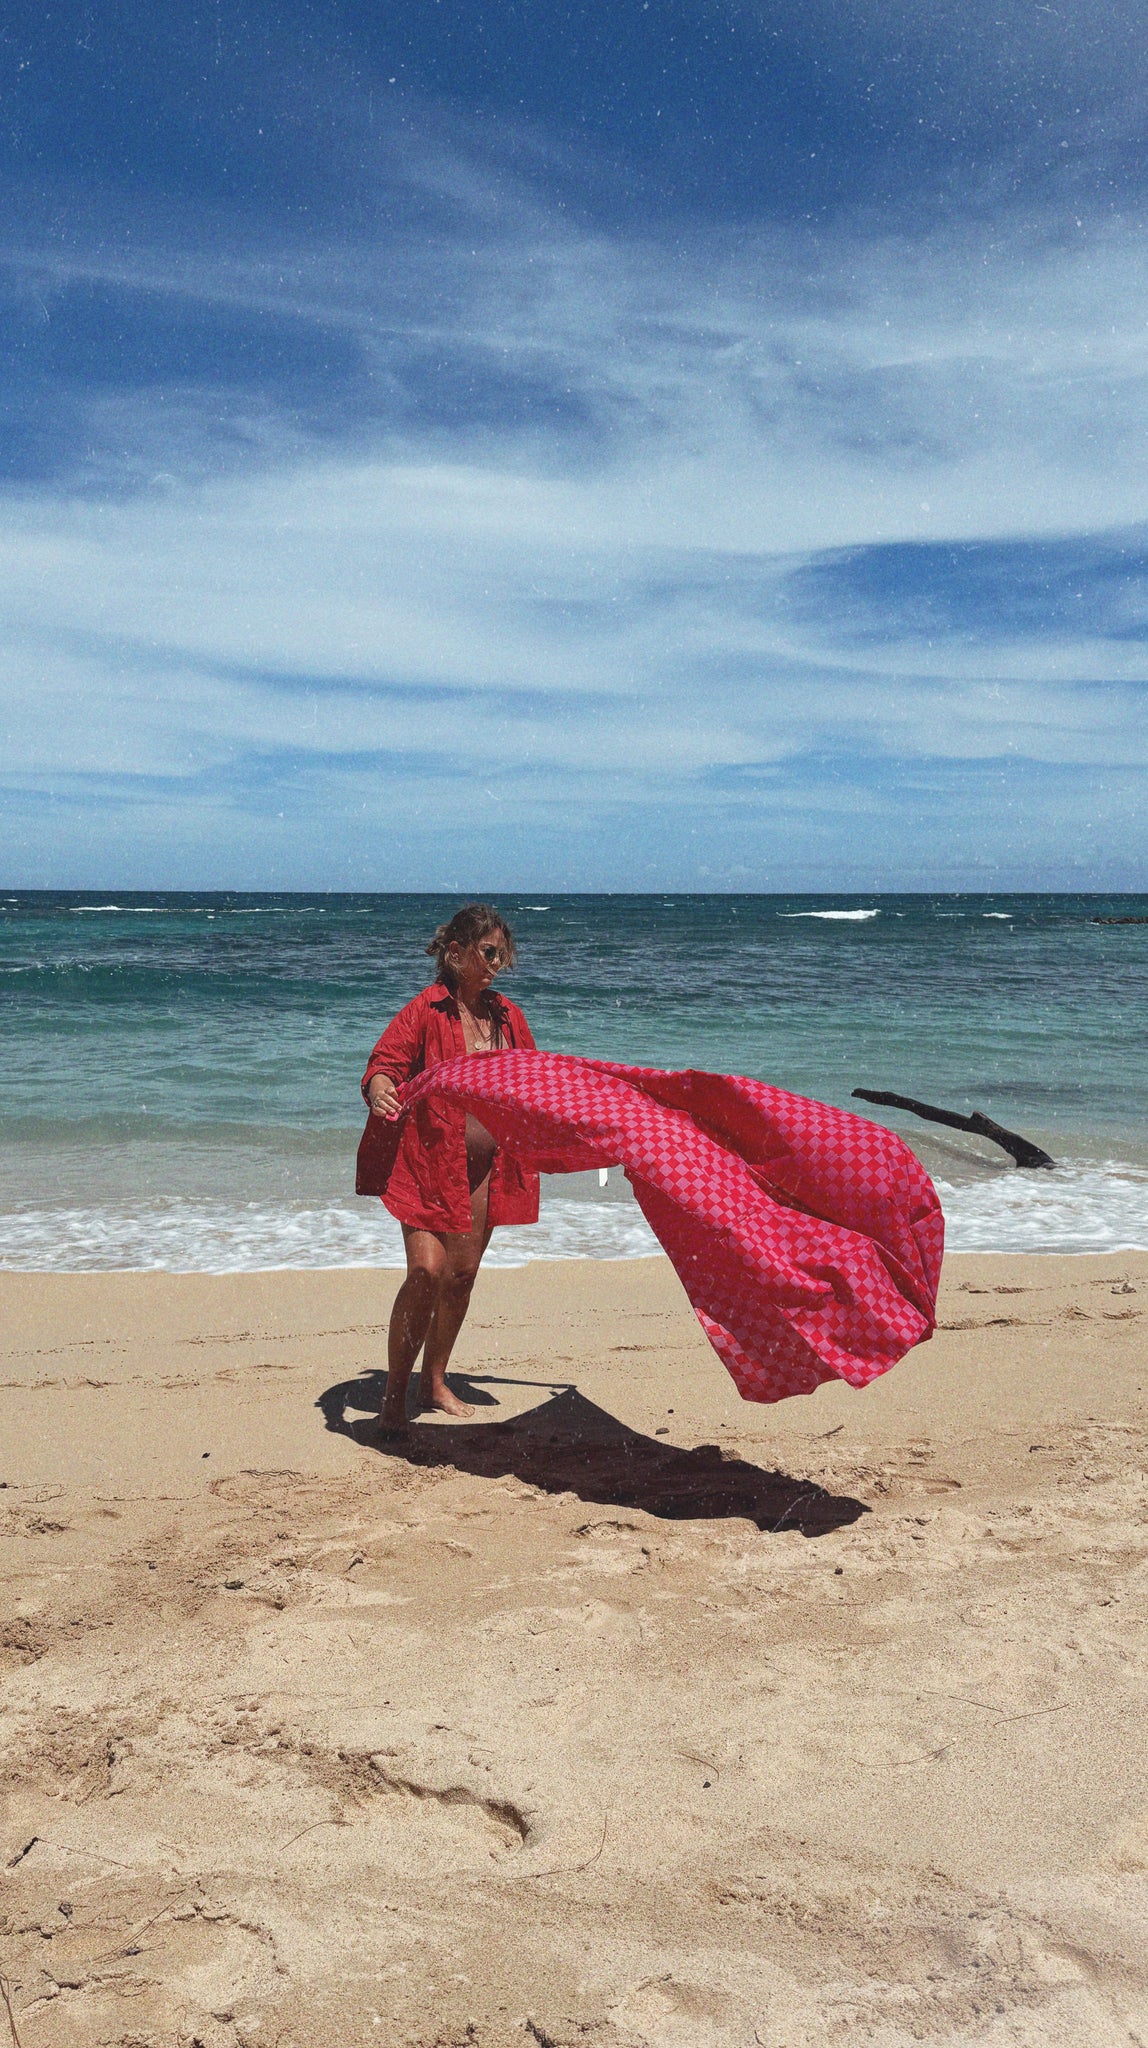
x: 383, y: 1097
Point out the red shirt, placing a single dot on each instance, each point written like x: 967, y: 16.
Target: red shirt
x: 418, y: 1167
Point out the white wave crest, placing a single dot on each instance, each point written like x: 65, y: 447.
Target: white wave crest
x: 833, y: 916
x: 1098, y: 1207
x: 1091, y: 1207
x: 217, y: 1237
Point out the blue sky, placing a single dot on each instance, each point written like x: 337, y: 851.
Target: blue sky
x: 692, y: 443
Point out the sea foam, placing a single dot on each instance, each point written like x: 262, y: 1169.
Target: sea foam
x: 1089, y: 1208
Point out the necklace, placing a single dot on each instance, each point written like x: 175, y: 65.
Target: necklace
x: 482, y: 1029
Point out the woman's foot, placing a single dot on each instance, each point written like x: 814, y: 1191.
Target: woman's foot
x: 393, y: 1409
x: 444, y: 1402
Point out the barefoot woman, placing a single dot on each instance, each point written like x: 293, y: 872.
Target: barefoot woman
x: 445, y: 1179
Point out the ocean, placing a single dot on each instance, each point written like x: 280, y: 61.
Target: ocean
x: 181, y: 1071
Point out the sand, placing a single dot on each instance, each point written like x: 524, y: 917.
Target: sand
x: 629, y: 1716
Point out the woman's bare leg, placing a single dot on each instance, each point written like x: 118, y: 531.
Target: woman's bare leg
x: 463, y: 1258
x: 414, y: 1307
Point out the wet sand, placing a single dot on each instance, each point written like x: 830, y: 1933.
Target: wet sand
x: 627, y: 1716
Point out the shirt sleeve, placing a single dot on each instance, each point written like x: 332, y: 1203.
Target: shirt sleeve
x: 399, y: 1052
x: 523, y: 1035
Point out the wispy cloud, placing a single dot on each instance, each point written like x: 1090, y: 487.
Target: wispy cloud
x: 583, y: 540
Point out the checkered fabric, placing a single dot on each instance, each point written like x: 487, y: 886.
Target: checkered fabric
x: 808, y: 1240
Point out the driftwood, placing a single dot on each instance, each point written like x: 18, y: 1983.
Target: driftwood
x: 1022, y: 1149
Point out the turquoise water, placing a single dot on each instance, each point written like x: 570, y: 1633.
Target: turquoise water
x: 181, y: 1072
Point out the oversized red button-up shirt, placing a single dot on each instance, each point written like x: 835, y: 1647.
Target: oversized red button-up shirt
x: 418, y: 1166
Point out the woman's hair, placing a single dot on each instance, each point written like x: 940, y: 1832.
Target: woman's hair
x: 466, y: 928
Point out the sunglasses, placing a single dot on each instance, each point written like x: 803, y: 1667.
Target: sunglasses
x: 491, y: 954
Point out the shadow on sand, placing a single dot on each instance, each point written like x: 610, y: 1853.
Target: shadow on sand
x: 568, y: 1445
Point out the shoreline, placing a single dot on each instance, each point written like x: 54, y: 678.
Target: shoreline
x: 1089, y: 1208
x: 628, y: 1714
x: 549, y: 1260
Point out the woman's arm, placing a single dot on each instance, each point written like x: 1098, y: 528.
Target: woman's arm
x: 395, y: 1058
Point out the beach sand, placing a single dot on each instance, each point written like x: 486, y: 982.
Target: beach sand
x: 630, y: 1716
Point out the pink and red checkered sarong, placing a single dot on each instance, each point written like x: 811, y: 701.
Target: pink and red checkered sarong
x: 808, y: 1240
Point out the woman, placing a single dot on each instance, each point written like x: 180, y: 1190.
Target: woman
x: 442, y: 1175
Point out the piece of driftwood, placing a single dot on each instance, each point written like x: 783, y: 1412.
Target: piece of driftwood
x: 1022, y: 1149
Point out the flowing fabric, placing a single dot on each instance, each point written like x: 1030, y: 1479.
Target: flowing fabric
x: 808, y: 1240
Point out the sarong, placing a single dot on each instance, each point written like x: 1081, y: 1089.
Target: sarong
x: 808, y: 1239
